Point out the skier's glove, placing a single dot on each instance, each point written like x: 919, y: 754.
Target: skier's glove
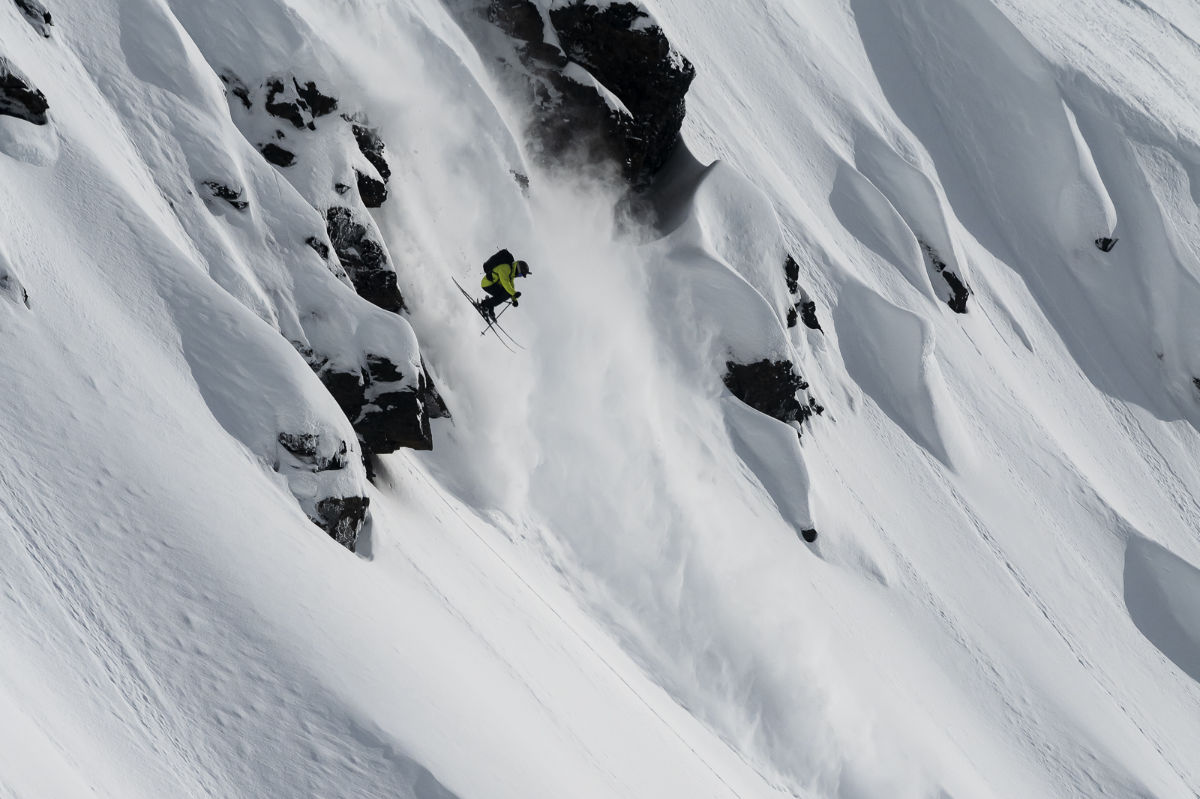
x: 515, y: 303
x: 518, y: 294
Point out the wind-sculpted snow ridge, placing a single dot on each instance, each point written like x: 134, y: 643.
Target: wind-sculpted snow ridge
x: 220, y: 252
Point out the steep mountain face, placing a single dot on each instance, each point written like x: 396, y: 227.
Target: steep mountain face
x: 918, y: 276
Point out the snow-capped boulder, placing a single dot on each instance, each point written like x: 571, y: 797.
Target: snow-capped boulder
x: 615, y: 86
x: 11, y: 288
x: 630, y: 55
x: 19, y: 97
x: 37, y: 16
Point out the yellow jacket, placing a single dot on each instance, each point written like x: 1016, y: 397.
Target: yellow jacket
x: 502, y: 274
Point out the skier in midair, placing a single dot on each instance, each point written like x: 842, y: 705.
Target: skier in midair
x: 499, y: 272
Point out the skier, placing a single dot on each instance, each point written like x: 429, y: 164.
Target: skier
x: 499, y: 273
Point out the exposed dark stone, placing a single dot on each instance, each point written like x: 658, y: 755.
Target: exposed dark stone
x: 1106, y: 244
x: 518, y: 18
x: 808, y: 314
x: 1195, y: 380
x: 959, y: 291
x: 522, y: 181
x: 791, y: 271
x: 637, y: 64
x: 341, y: 188
x: 37, y: 15
x: 792, y: 316
x: 809, y: 535
x: 289, y: 109
x: 277, y: 155
x: 318, y: 104
x: 220, y: 191
x: 237, y: 88
x: 435, y: 406
x: 372, y: 148
x: 372, y: 191
x: 321, y: 247
x: 18, y: 97
x: 386, y: 413
x: 342, y: 518
x: 364, y: 260
x: 306, y: 446
x: 543, y: 55
x: 769, y: 387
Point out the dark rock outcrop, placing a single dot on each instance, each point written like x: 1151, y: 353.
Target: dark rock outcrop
x: 803, y: 308
x: 388, y: 410
x: 314, y: 101
x: 235, y: 86
x: 306, y: 447
x: 959, y: 291
x: 277, y: 155
x: 809, y: 535
x: 219, y: 191
x: 631, y: 59
x: 637, y: 64
x: 19, y: 97
x: 37, y: 16
x: 771, y: 387
x: 1106, y: 244
x: 364, y: 260
x: 284, y: 102
x: 320, y: 247
x: 808, y: 315
x: 342, y: 518
x: 372, y: 190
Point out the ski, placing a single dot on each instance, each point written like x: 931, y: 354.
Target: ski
x: 492, y: 326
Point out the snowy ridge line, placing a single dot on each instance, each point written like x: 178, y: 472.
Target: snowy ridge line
x: 587, y: 644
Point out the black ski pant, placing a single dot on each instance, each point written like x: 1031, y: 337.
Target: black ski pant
x: 498, y: 297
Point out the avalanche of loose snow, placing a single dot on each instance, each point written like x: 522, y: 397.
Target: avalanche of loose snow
x: 595, y: 584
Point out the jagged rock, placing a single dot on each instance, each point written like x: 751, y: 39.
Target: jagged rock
x: 18, y: 96
x: 792, y: 316
x: 809, y: 535
x: 387, y: 411
x: 522, y: 181
x: 808, y: 314
x: 321, y: 248
x: 306, y: 447
x: 959, y: 291
x: 373, y: 192
x: 520, y: 19
x: 341, y: 188
x: 770, y: 387
x: 791, y: 272
x: 1195, y: 380
x: 277, y: 155
x: 342, y: 518
x: 1106, y: 244
x: 282, y: 103
x: 237, y: 88
x: 364, y: 260
x: 318, y: 104
x: 636, y: 62
x: 220, y: 191
x: 37, y: 15
x: 372, y: 148
x: 435, y: 406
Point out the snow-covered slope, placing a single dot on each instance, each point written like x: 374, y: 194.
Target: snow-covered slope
x: 217, y: 291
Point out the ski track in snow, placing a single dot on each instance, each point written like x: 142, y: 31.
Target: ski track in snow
x: 594, y: 585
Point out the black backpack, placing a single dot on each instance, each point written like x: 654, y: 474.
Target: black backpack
x: 502, y: 257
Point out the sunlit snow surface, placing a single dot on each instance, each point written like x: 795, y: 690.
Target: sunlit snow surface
x: 594, y: 586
